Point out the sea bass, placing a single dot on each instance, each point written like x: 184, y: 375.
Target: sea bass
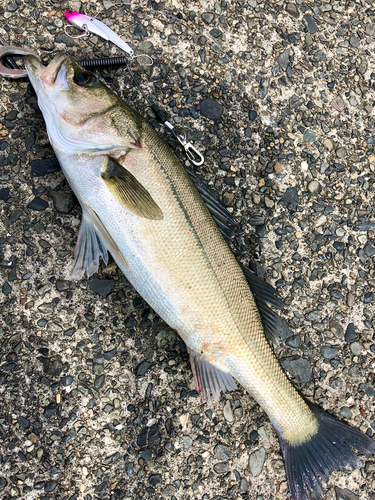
x: 139, y: 204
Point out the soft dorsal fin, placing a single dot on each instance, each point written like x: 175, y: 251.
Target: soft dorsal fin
x: 129, y: 191
x: 208, y: 379
x: 93, y: 242
x: 274, y: 327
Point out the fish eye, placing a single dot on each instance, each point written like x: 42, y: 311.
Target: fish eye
x: 69, y: 12
x: 85, y: 79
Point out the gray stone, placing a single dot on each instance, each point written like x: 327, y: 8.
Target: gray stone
x: 345, y: 494
x: 65, y: 39
x: 345, y: 412
x: 187, y: 442
x: 300, y: 368
x: 256, y: 461
x: 101, y: 287
x: 208, y: 17
x: 222, y: 452
x: 221, y: 467
x: 292, y: 9
x: 356, y: 348
x: 211, y: 109
x: 283, y: 59
x: 311, y: 25
x: 328, y: 352
x: 309, y: 136
x: 63, y: 202
x: 228, y: 413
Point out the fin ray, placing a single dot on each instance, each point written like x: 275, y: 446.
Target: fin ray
x: 331, y: 448
x: 209, y: 380
x: 93, y: 242
x: 129, y: 191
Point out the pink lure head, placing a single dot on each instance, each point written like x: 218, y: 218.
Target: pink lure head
x: 71, y: 15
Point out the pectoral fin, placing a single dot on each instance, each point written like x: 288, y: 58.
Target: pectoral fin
x: 93, y: 242
x: 130, y: 192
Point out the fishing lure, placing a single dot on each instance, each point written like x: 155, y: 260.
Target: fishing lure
x: 92, y: 25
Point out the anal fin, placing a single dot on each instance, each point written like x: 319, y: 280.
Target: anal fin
x: 208, y: 379
x: 93, y: 242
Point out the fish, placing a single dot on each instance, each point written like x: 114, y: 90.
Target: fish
x: 140, y: 205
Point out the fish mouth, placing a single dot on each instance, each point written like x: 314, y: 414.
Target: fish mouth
x: 44, y: 76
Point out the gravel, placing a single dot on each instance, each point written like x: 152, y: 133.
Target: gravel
x: 98, y: 398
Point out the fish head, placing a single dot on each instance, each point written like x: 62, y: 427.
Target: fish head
x: 81, y: 113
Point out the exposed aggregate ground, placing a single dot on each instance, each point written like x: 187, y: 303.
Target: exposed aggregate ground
x: 97, y: 396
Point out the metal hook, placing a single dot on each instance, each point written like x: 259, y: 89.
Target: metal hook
x: 84, y: 27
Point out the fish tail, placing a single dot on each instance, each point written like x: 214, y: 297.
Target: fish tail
x: 329, y: 449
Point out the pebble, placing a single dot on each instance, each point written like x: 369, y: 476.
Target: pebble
x: 314, y: 187
x: 292, y: 9
x: 369, y: 250
x: 328, y: 352
x: 367, y: 298
x: 6, y: 289
x: 345, y: 494
x: 4, y: 194
x: 65, y: 39
x: 356, y: 348
x: 140, y: 30
x: 228, y: 413
x: 50, y: 486
x: 24, y: 422
x: 341, y: 153
x: 221, y: 467
x: 311, y: 25
x: 256, y: 461
x: 52, y: 366
x: 328, y: 144
x: 101, y: 287
x: 63, y: 202
x: 154, y: 479
x: 290, y: 197
x: 208, y: 17
x: 142, y: 368
x: 283, y: 59
x: 211, y: 109
x: 300, y: 368
x: 252, y: 115
x: 345, y: 412
x: 44, y: 167
x: 350, y: 335
x: 38, y: 204
x: 66, y: 381
x: 222, y: 452
x: 244, y: 485
x: 99, y: 382
x: 30, y: 140
x: 149, y: 436
x: 309, y: 136
x: 187, y: 442
x: 338, y: 104
x: 3, y: 483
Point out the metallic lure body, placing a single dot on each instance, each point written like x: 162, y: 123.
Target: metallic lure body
x: 139, y: 204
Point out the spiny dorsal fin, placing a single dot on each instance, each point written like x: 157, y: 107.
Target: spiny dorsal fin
x: 208, y: 379
x: 130, y: 192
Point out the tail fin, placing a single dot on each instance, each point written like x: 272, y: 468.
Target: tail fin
x: 328, y: 450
